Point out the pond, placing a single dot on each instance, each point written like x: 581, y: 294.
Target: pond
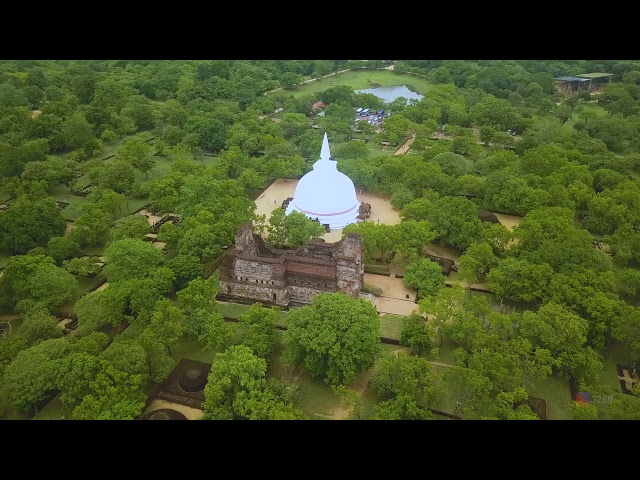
x: 389, y: 94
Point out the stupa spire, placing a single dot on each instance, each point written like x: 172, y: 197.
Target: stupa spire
x: 325, y: 154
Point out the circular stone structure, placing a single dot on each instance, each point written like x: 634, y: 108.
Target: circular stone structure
x: 193, y: 380
x: 164, y: 414
x: 326, y: 194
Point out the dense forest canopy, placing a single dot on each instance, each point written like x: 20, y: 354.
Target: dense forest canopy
x: 84, y: 143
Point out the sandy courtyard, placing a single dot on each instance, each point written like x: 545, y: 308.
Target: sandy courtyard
x: 189, y: 412
x: 508, y: 221
x: 272, y: 197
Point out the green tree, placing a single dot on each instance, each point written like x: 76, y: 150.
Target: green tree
x: 131, y: 258
x: 400, y: 408
x: 83, y: 266
x: 509, y: 406
x: 584, y: 412
x: 417, y: 209
x: 335, y: 337
x: 477, y: 260
x: 292, y: 230
x: 166, y: 323
x: 31, y: 376
x: 271, y: 402
x: 455, y: 221
x: 444, y: 306
x: 137, y: 153
x: 128, y: 356
x: 350, y: 400
x: 39, y: 326
x: 102, y: 307
x: 34, y: 280
x: 115, y: 396
x: 519, y: 279
x: 62, y: 248
x: 30, y: 223
x: 257, y: 330
x: 380, y: 240
x: 159, y: 361
x: 470, y: 389
x: 117, y: 175
x: 132, y: 226
x: 185, y: 269
x: 91, y: 227
x: 78, y: 134
x: 425, y: 276
x: 77, y: 371
x: 236, y: 370
x: 216, y: 333
x: 405, y: 375
x: 109, y: 201
x: 199, y: 293
x: 416, y: 335
x: 410, y: 238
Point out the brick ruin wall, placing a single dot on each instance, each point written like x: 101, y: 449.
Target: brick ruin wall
x: 282, y: 277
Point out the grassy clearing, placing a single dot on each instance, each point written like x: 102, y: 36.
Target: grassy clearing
x: 614, y: 354
x: 391, y: 326
x: 85, y: 285
x: 555, y: 390
x: 359, y: 80
x: 317, y: 400
x: 11, y: 414
x: 586, y: 107
x: 192, y: 350
x: 445, y: 352
x: 234, y: 310
x: 54, y: 410
x: 447, y: 401
x: 4, y: 257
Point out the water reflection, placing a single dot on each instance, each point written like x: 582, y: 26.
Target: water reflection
x: 389, y: 94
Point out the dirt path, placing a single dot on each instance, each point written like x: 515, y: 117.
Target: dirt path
x: 189, y: 412
x: 404, y: 148
x: 310, y: 80
x: 508, y: 221
x: 441, y: 364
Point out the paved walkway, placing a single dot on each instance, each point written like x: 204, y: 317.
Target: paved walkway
x: 404, y: 148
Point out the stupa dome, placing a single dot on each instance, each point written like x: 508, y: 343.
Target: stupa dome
x: 326, y: 193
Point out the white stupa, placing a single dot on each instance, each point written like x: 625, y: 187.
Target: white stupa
x: 326, y: 194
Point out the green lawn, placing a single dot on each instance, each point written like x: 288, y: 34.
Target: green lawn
x: 3, y: 259
x: 316, y: 397
x: 614, y: 354
x: 359, y: 80
x: 445, y: 352
x: 4, y: 195
x: 555, y: 390
x: 447, y: 401
x: 191, y: 350
x: 586, y: 107
x: 86, y: 284
x: 54, y: 410
x: 234, y: 310
x: 391, y: 326
x: 10, y: 414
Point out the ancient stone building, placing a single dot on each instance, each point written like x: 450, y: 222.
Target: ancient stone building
x: 253, y: 271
